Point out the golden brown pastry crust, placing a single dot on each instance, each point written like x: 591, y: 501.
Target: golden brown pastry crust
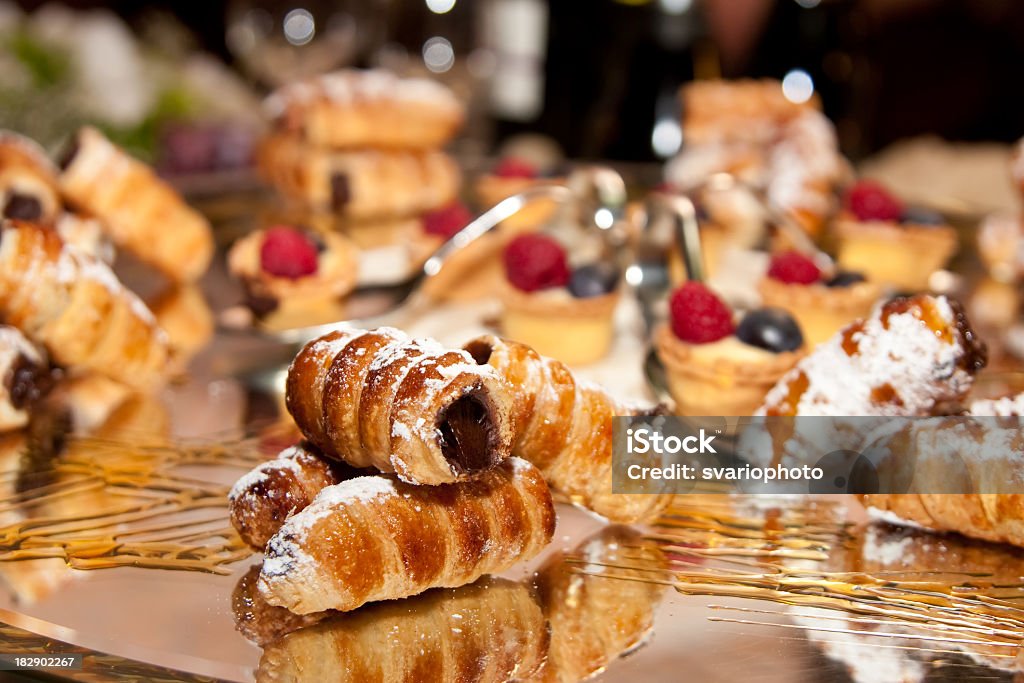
x: 402, y: 405
x: 74, y: 305
x: 28, y: 181
x: 142, y: 213
x: 377, y: 538
x: 565, y: 428
x: 361, y: 184
x: 263, y: 499
x: 490, y: 632
x: 353, y: 109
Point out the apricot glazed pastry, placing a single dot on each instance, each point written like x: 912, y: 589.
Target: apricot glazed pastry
x: 562, y: 311
x: 909, y: 356
x: 717, y: 367
x: 382, y: 399
x: 73, y: 304
x: 822, y: 305
x: 142, y: 213
x: 288, y: 270
x: 891, y: 244
x: 377, y: 538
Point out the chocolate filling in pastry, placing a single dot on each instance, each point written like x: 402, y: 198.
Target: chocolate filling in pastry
x: 27, y: 382
x: 480, y: 351
x: 22, y: 207
x: 469, y: 437
x: 341, y: 193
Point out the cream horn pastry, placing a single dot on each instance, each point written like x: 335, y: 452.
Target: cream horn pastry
x: 490, y: 632
x: 264, y: 498
x: 378, y: 538
x: 143, y: 213
x: 73, y: 304
x: 564, y: 427
x: 28, y: 181
x: 25, y: 377
x: 259, y: 621
x: 409, y: 406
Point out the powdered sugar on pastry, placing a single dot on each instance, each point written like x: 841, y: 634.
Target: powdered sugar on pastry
x: 355, y: 86
x: 1007, y: 406
x: 908, y: 356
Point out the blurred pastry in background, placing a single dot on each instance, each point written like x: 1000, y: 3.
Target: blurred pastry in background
x: 28, y: 181
x: 1001, y: 245
x: 893, y: 245
x: 360, y: 184
x: 994, y: 304
x: 1017, y: 165
x: 374, y: 108
x: 510, y: 176
x: 561, y: 310
x: 785, y: 150
x: 600, y: 602
x: 73, y: 304
x: 293, y: 275
x: 822, y: 305
x: 25, y: 378
x: 717, y: 367
x: 489, y: 632
x: 183, y: 313
x: 142, y: 213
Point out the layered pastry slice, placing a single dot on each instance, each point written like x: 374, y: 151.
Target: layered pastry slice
x: 717, y: 367
x: 891, y: 244
x: 821, y: 304
x: 293, y: 276
x: 562, y: 310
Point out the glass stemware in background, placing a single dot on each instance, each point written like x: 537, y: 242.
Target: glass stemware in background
x: 278, y: 42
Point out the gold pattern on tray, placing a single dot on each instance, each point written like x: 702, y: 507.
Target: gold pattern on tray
x: 879, y: 587
x: 123, y: 502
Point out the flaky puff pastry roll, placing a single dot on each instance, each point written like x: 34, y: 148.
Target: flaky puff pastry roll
x: 28, y: 181
x: 143, y: 213
x: 263, y: 499
x: 960, y: 474
x: 377, y: 538
x: 382, y: 399
x: 564, y: 427
x: 73, y: 304
x: 599, y: 601
x: 490, y: 632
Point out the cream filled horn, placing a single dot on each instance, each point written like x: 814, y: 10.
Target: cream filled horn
x: 490, y: 632
x: 72, y: 303
x: 377, y: 538
x: 564, y: 427
x: 264, y: 498
x: 409, y: 406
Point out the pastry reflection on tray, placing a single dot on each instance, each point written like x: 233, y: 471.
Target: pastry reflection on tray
x: 884, y: 603
x: 583, y: 610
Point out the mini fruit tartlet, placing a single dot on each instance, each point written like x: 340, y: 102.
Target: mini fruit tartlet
x: 891, y: 244
x: 821, y: 305
x: 512, y: 176
x: 563, y: 312
x: 716, y: 367
x: 293, y: 275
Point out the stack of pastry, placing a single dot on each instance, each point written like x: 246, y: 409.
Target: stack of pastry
x: 439, y: 488
x: 64, y: 304
x: 753, y: 131
x: 361, y: 152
